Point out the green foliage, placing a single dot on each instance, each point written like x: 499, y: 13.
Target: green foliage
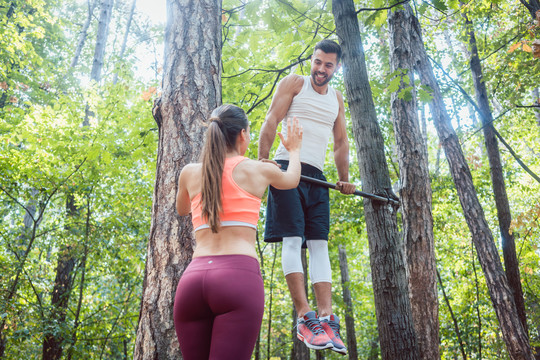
x: 47, y: 155
x: 109, y: 166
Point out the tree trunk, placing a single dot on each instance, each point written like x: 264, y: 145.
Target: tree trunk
x: 501, y: 296
x: 270, y: 303
x: 99, y: 50
x: 25, y: 239
x: 126, y: 34
x: 77, y: 314
x: 83, y: 34
x: 532, y: 5
x: 536, y: 100
x: 53, y: 343
x: 191, y: 90
x: 415, y: 190
x: 352, y: 349
x: 497, y: 178
x: 102, y: 34
x: 53, y: 339
x: 454, y: 319
x: 392, y: 303
x: 299, y: 350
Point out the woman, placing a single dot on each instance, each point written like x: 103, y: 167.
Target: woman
x: 219, y: 301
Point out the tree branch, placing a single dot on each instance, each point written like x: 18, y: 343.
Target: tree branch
x: 280, y: 72
x: 488, y: 123
x: 528, y: 106
x: 305, y: 16
x: 382, y: 8
x: 525, y: 167
x: 456, y: 326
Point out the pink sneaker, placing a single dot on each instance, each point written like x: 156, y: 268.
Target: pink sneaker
x: 331, y: 328
x: 309, y: 331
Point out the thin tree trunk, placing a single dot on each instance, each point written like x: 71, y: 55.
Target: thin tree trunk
x: 99, y: 50
x: 83, y: 34
x: 497, y: 178
x: 126, y: 34
x: 22, y: 259
x: 454, y: 320
x: 501, y: 296
x: 102, y: 35
x: 352, y: 348
x: 415, y: 190
x: 476, y: 305
x: 388, y: 267
x: 191, y: 90
x: 269, y: 331
x: 536, y: 100
x: 54, y: 340
x: 25, y: 239
x: 299, y: 351
x: 76, y: 323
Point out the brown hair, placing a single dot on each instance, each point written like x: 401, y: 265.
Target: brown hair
x: 329, y: 47
x: 226, y: 122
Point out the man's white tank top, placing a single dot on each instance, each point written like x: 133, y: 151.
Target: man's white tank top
x: 316, y: 113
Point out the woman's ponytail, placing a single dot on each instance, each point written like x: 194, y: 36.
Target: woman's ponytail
x: 226, y: 122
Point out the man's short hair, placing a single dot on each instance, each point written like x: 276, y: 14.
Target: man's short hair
x: 329, y: 47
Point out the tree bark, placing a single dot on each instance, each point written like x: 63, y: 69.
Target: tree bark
x: 352, y: 348
x: 501, y: 296
x: 53, y: 342
x: 497, y: 177
x: 532, y: 5
x: 415, y: 192
x: 392, y: 303
x: 191, y: 90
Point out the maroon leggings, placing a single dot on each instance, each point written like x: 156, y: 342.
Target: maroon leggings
x: 218, y: 307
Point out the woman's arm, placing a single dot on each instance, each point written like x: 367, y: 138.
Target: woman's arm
x: 293, y: 143
x: 183, y: 202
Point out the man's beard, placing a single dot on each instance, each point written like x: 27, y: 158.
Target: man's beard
x: 324, y: 82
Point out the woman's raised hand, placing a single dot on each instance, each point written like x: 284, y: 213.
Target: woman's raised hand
x: 293, y: 142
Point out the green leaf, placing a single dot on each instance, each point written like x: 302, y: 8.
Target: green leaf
x: 394, y: 84
x: 440, y: 5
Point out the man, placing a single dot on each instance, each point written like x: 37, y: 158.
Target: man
x: 301, y: 216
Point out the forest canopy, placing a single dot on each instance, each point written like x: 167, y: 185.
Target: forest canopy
x: 78, y: 154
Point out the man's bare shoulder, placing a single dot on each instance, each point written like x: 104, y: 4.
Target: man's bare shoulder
x: 339, y: 96
x: 256, y: 168
x: 292, y: 83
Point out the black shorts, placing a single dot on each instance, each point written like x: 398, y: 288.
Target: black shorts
x: 304, y: 211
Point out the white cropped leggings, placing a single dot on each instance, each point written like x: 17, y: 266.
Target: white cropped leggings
x: 319, y: 261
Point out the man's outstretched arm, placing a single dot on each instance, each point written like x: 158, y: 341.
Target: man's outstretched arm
x: 287, y: 89
x: 341, y: 150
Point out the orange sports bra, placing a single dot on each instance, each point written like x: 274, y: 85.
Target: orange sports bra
x: 240, y: 208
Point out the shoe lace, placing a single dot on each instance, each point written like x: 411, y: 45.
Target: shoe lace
x: 334, y: 326
x: 314, y: 325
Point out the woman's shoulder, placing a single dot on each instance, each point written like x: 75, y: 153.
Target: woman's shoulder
x: 192, y: 167
x: 190, y: 170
